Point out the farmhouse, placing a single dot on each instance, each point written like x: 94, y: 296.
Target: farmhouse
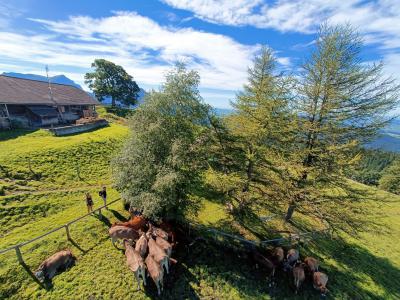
x: 32, y: 103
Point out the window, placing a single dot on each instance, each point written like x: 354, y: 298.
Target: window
x: 3, y: 111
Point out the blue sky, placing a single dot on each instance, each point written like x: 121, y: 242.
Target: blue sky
x: 217, y: 38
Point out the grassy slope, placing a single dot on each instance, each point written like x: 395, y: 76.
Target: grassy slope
x: 38, y: 160
x: 366, y: 267
x: 359, y: 269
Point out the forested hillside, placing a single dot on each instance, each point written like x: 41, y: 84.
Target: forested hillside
x: 372, y: 166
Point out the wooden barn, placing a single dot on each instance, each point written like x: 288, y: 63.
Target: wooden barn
x: 31, y: 103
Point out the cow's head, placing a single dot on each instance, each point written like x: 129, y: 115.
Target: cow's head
x: 324, y: 291
x: 40, y: 274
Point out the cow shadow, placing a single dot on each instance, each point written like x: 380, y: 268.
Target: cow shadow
x: 102, y: 218
x: 44, y: 285
x: 118, y: 215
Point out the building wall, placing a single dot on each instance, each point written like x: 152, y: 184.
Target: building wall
x: 65, y: 130
x: 4, y: 123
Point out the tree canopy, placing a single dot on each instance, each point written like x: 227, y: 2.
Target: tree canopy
x: 111, y: 80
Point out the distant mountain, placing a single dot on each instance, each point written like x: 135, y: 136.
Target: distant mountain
x: 61, y: 79
x: 389, y: 140
x: 223, y: 111
x: 107, y: 100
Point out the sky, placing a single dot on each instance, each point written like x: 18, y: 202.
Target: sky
x: 218, y: 38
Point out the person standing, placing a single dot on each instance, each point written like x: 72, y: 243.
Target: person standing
x: 89, y: 202
x: 103, y: 195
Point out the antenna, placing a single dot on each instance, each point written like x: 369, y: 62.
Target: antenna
x: 51, y: 94
x: 48, y: 80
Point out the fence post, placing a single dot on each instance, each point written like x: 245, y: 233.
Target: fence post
x: 67, y: 230
x: 19, y: 256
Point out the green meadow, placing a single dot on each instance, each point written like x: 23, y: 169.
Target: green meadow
x: 43, y: 180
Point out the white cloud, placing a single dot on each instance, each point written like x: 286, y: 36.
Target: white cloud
x: 7, y: 13
x: 378, y: 21
x: 143, y: 47
x: 298, y: 16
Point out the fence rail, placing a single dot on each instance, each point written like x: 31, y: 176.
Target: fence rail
x: 62, y: 227
x: 290, y: 238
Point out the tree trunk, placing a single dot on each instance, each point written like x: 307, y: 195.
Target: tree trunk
x: 112, y: 102
x: 290, y: 212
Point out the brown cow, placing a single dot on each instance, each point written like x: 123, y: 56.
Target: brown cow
x: 158, y: 254
x: 168, y: 228
x: 299, y: 275
x: 312, y: 264
x: 156, y: 272
x: 262, y: 260
x: 319, y: 282
x: 155, y: 231
x: 135, y: 263
x: 291, y: 257
x: 55, y: 263
x: 137, y: 223
x: 142, y: 245
x: 278, y: 256
x: 167, y: 247
x: 122, y: 232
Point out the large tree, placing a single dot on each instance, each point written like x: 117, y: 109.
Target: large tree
x: 160, y: 161
x: 255, y: 142
x: 111, y: 80
x: 342, y: 102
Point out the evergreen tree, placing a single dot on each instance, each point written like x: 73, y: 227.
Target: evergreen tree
x: 256, y: 140
x: 342, y: 103
x: 161, y: 159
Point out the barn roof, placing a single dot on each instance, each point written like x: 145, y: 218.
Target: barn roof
x: 15, y: 90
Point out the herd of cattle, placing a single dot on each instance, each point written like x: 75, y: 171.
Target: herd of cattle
x: 152, y: 250
x: 292, y: 263
x: 148, y: 250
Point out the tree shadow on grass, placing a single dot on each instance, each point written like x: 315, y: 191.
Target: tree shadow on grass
x: 205, y: 270
x: 210, y: 261
x: 359, y: 262
x: 14, y: 133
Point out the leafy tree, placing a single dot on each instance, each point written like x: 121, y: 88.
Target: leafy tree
x: 390, y: 180
x: 162, y: 158
x: 342, y: 103
x: 111, y: 80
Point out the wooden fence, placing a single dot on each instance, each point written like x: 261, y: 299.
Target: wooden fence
x: 17, y: 248
x: 292, y: 237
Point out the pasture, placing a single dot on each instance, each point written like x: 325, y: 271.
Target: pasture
x: 44, y: 179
